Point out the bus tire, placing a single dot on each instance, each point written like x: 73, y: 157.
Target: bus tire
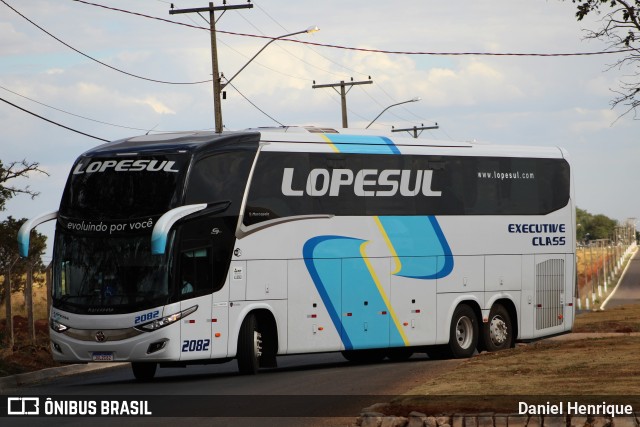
x: 249, y: 346
x: 144, y: 371
x: 463, y: 332
x: 497, y: 334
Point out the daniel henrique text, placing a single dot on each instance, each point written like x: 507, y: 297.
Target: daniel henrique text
x: 575, y: 408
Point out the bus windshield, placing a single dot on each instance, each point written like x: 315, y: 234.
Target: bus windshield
x: 107, y: 276
x: 123, y: 187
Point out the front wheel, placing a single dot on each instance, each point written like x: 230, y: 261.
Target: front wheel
x: 463, y: 333
x: 144, y: 371
x: 498, y: 334
x: 249, y: 346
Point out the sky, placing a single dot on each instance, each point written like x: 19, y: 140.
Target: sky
x: 522, y: 100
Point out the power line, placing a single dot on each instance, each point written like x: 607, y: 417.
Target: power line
x: 52, y: 122
x: 262, y: 65
x: 332, y: 97
x: 141, y: 15
x: 351, y: 71
x: 254, y: 105
x: 287, y: 51
x: 393, y: 113
x: 360, y: 49
x: 330, y: 60
x: 82, y: 117
x: 343, y: 94
x: 97, y: 60
x: 69, y: 113
x: 247, y: 57
x: 399, y: 52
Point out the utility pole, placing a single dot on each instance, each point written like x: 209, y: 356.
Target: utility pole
x: 343, y: 94
x: 217, y: 86
x: 414, y: 130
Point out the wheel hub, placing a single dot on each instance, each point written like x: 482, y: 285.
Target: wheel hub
x: 464, y: 332
x: 257, y: 343
x: 498, y: 330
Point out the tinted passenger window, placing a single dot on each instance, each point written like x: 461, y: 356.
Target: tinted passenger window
x: 289, y: 184
x: 219, y: 177
x: 195, y: 273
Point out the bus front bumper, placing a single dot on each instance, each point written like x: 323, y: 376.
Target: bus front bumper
x: 130, y: 345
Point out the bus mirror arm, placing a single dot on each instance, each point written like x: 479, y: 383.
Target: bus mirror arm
x: 215, y: 208
x: 163, y: 226
x: 24, y: 234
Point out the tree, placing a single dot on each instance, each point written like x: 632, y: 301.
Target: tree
x: 593, y: 227
x: 9, y: 258
x: 11, y: 266
x: 621, y: 30
x: 13, y: 170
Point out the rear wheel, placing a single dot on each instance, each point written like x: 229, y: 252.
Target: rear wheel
x: 144, y: 371
x: 249, y: 346
x: 498, y: 334
x: 463, y: 333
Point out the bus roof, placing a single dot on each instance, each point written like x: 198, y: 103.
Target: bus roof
x: 314, y: 139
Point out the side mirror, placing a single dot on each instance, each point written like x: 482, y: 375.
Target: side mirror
x: 164, y: 224
x: 24, y: 234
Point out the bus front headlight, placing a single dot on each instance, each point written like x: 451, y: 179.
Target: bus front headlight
x: 57, y: 326
x: 167, y: 320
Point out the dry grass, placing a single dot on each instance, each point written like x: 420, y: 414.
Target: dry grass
x: 26, y: 356
x: 606, y: 366
x: 494, y: 382
x: 618, y: 319
x: 39, y: 301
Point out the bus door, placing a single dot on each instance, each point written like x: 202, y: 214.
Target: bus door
x: 193, y: 287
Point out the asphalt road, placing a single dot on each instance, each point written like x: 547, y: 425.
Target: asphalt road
x: 628, y: 291
x: 309, y: 387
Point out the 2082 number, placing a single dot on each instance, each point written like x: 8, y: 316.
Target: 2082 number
x: 147, y: 317
x: 195, y: 345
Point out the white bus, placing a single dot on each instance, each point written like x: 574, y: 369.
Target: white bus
x: 201, y: 247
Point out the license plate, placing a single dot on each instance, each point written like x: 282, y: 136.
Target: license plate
x: 104, y: 356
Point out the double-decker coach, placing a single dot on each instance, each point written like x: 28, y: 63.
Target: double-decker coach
x: 201, y: 247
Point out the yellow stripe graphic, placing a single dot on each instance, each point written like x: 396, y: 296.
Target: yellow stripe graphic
x: 389, y: 245
x: 331, y: 144
x: 383, y: 294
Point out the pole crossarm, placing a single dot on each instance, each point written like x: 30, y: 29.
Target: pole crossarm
x: 218, y: 85
x: 414, y: 130
x: 210, y: 9
x: 217, y: 89
x: 367, y: 82
x: 343, y: 94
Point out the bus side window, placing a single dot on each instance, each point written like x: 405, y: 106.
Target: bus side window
x: 195, y: 272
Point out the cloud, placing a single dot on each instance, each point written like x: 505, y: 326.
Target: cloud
x: 11, y: 40
x: 588, y: 121
x: 157, y: 105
